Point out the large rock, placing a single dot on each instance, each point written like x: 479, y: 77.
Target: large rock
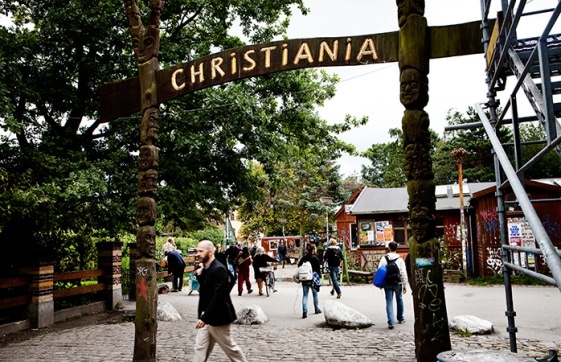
x: 251, y: 314
x: 471, y: 324
x: 339, y: 315
x: 167, y: 313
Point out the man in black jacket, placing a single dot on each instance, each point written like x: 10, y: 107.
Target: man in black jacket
x: 216, y: 311
x: 176, y: 267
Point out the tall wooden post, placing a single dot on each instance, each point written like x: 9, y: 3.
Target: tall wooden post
x: 432, y: 335
x: 146, y: 45
x: 459, y: 155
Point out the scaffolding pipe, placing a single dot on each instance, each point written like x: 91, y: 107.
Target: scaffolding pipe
x: 549, y: 251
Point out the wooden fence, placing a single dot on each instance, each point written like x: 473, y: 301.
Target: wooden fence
x: 30, y: 296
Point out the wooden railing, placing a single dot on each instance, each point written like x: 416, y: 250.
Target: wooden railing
x: 189, y: 266
x: 78, y: 276
x: 17, y: 297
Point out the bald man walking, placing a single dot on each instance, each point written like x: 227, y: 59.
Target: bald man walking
x: 216, y: 311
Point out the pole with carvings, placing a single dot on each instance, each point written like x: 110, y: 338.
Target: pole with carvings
x: 146, y: 44
x: 432, y: 335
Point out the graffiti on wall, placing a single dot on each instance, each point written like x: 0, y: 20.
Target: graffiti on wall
x: 490, y: 220
x: 552, y: 227
x: 494, y: 260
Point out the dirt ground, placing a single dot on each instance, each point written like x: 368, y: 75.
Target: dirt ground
x: 108, y: 317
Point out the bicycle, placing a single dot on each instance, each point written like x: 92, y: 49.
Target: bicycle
x: 269, y: 279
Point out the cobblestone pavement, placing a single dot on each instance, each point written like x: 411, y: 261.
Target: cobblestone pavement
x: 115, y: 342
x: 285, y: 337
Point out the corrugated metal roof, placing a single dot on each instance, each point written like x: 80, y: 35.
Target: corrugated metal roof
x: 394, y: 200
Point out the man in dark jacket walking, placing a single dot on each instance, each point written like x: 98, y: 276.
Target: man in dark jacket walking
x: 176, y: 267
x: 216, y: 311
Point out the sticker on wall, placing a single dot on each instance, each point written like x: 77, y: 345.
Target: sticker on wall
x: 424, y: 262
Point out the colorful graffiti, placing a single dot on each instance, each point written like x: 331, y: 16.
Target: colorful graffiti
x: 552, y: 227
x: 490, y: 220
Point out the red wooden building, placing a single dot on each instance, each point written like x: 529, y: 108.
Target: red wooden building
x: 374, y: 216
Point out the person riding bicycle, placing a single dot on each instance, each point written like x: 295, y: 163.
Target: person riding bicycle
x: 260, y: 260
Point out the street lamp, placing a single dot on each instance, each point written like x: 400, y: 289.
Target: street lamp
x: 326, y: 201
x: 459, y: 155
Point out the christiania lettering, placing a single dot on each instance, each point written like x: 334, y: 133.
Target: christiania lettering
x: 272, y: 57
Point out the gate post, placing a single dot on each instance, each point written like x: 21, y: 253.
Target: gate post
x: 146, y: 45
x: 41, y: 310
x: 432, y: 335
x: 109, y: 259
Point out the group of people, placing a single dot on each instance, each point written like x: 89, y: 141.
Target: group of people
x: 334, y: 256
x: 238, y: 261
x: 216, y: 311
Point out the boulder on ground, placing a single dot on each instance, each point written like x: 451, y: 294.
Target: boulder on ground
x: 167, y: 313
x: 471, y: 324
x: 251, y: 314
x: 338, y: 315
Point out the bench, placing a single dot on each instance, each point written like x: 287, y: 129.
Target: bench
x: 367, y: 275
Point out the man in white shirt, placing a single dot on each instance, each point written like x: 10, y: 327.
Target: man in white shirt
x: 169, y: 246
x: 397, y: 287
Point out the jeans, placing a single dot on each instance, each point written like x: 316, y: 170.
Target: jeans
x: 232, y: 269
x: 306, y: 289
x: 334, y: 275
x: 389, y: 291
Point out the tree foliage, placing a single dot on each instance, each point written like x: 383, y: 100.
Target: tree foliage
x: 479, y: 164
x: 549, y: 166
x: 64, y: 173
x: 387, y: 168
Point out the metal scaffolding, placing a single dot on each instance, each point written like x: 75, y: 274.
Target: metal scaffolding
x: 534, y: 64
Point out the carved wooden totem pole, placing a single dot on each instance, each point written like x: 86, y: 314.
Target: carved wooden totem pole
x: 146, y: 44
x: 431, y: 322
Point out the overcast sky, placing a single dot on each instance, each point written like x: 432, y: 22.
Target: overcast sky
x: 373, y: 90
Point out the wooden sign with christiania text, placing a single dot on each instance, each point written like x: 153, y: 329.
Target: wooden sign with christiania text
x: 122, y: 98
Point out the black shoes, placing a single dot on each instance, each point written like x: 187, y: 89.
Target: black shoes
x: 332, y: 292
x: 250, y: 291
x: 390, y: 326
x: 318, y: 311
x: 304, y: 315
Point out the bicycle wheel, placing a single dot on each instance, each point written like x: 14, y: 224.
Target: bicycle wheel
x: 268, y: 289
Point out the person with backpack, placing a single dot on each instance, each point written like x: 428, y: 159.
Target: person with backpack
x: 395, y: 283
x: 307, y: 284
x: 333, y: 255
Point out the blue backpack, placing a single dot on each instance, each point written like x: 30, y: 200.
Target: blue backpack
x: 380, y: 277
x: 387, y: 274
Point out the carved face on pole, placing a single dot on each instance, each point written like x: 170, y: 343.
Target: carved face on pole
x: 148, y: 157
x: 145, y: 42
x: 409, y: 7
x: 150, y: 126
x: 148, y: 181
x: 146, y: 211
x: 413, y: 89
x: 146, y: 241
x: 421, y: 224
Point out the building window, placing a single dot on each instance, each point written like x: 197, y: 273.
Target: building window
x: 400, y: 232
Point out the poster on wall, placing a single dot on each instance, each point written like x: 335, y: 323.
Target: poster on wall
x: 520, y: 234
x: 384, y: 231
x: 365, y: 227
